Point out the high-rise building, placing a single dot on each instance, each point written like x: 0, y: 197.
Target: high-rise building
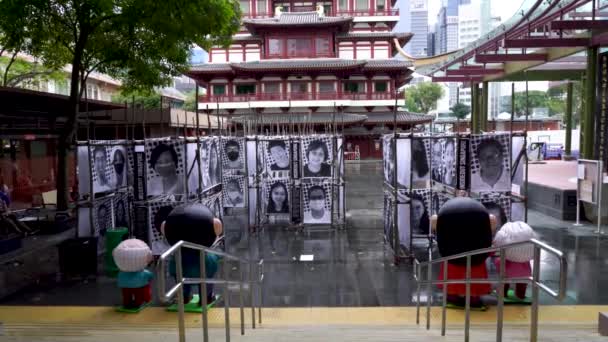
x: 430, y: 43
x: 419, y: 27
x: 405, y: 23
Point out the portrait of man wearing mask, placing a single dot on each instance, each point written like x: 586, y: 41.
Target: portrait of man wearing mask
x: 317, y: 212
x: 118, y: 161
x: 233, y: 153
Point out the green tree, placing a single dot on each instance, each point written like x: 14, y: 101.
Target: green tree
x: 536, y: 98
x: 141, y: 42
x: 460, y: 110
x: 190, y: 103
x: 17, y: 72
x: 557, y: 99
x: 423, y: 97
x: 148, y: 99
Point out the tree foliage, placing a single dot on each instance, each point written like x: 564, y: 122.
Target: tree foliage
x: 146, y: 99
x: 536, y: 99
x: 140, y: 42
x: 423, y: 97
x: 17, y: 72
x: 460, y: 110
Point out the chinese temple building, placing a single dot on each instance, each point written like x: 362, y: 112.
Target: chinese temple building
x: 291, y: 63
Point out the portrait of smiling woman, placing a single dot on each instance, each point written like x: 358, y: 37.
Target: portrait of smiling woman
x: 278, y: 199
x: 317, y: 155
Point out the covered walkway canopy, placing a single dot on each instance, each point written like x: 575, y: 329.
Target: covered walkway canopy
x: 545, y: 40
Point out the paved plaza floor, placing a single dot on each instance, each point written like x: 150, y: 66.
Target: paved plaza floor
x: 353, y: 267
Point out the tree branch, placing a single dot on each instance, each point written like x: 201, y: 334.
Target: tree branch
x: 14, y: 81
x: 13, y: 57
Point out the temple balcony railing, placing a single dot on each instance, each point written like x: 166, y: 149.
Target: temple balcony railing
x: 296, y: 96
x: 351, y: 13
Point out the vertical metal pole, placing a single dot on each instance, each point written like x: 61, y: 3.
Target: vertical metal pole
x: 162, y: 121
x: 445, y: 298
x: 261, y: 281
x: 226, y: 299
x: 181, y: 325
x: 429, y: 294
x: 203, y: 294
x: 599, y: 183
x: 241, y: 297
x: 467, y: 303
x: 251, y: 282
x: 568, y: 120
x: 501, y: 297
x: 484, y: 106
x: 534, y: 309
x: 512, y: 108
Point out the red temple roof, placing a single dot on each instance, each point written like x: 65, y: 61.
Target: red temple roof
x: 373, y: 36
x: 298, y: 20
x: 319, y: 64
x: 403, y: 117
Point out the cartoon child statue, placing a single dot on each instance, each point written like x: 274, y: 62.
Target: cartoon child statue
x: 464, y: 225
x: 194, y: 223
x: 132, y: 256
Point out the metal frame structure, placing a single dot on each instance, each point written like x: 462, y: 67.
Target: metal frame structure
x: 178, y: 289
x: 534, y: 281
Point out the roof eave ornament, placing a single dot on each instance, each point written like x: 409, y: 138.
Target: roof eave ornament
x: 320, y: 10
x: 278, y: 11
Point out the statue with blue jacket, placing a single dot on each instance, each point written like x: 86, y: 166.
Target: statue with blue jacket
x: 194, y: 223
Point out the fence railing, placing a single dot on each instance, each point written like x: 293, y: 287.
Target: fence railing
x: 298, y: 96
x: 534, y: 281
x: 351, y: 13
x: 178, y: 289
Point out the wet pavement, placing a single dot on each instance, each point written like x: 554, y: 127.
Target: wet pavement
x: 354, y: 267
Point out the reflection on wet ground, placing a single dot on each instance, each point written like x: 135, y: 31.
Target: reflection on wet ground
x: 353, y: 267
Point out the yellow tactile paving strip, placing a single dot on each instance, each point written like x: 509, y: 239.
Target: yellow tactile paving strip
x: 277, y: 317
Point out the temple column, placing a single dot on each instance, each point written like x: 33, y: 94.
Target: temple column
x: 587, y: 127
x: 568, y: 120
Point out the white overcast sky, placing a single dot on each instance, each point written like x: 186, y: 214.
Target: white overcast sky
x: 503, y: 8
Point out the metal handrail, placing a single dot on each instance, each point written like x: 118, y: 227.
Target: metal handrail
x: 203, y: 281
x: 534, y: 281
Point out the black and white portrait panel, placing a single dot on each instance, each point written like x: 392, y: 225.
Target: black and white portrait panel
x: 192, y: 168
x: 499, y: 205
x: 121, y: 210
x: 252, y: 160
x: 389, y: 159
x: 234, y: 191
x: 233, y: 155
x: 340, y: 157
x: 166, y: 167
x: 436, y: 160
x: 102, y: 168
x: 214, y: 202
x: 387, y: 219
x: 490, y: 169
x: 404, y: 151
x: 277, y: 197
x: 317, y: 203
x: 420, y: 207
x: 386, y: 157
x: 438, y: 199
x: 449, y: 173
x: 103, y: 220
x: 210, y: 162
x: 317, y: 155
x: 277, y: 158
x: 120, y: 166
x: 403, y: 225
x: 518, y: 166
x: 421, y: 165
x: 518, y: 211
x: 84, y: 172
x: 158, y: 212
